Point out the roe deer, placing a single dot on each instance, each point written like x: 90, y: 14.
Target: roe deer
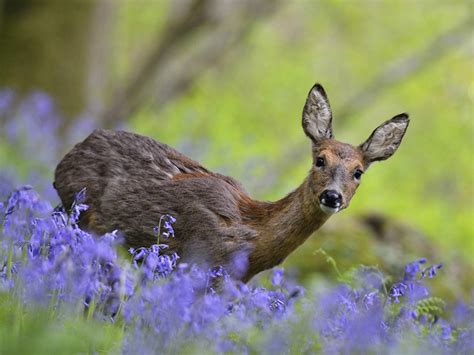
x: 132, y: 180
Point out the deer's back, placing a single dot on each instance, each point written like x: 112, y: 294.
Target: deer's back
x: 132, y: 180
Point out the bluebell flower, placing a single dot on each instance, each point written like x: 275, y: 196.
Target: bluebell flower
x: 165, y: 226
x: 431, y: 271
x: 277, y: 301
x: 398, y: 290
x: 17, y: 197
x: 32, y: 125
x: 370, y: 299
x: 446, y: 331
x: 80, y: 197
x: 46, y: 261
x: 277, y: 276
x: 239, y: 263
x: 412, y: 269
x: 7, y: 96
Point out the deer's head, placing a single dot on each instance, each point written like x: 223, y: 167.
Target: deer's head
x: 338, y: 167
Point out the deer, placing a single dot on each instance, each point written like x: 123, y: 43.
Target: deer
x: 132, y: 181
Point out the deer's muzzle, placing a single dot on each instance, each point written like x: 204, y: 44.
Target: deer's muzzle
x: 330, y: 201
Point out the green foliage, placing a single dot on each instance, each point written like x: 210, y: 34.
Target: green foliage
x: 33, y: 330
x: 430, y: 309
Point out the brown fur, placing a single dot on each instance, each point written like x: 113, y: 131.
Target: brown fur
x: 132, y: 180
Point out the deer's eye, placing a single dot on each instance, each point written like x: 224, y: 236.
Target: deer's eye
x: 320, y: 162
x: 358, y: 174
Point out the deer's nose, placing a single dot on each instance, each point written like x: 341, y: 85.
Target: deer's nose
x: 331, y: 198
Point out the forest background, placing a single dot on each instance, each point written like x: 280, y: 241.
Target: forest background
x: 224, y: 82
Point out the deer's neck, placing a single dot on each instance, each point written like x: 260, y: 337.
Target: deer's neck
x: 284, y: 225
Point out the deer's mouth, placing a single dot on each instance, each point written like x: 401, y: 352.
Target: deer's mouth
x: 329, y: 209
x: 330, y: 201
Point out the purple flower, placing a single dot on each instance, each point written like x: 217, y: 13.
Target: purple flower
x: 17, y: 197
x: 47, y: 261
x: 431, y: 271
x: 32, y: 126
x: 412, y: 269
x: 165, y: 228
x: 80, y: 197
x: 446, y: 331
x: 370, y: 299
x: 152, y: 262
x: 6, y: 100
x: 78, y: 206
x: 277, y: 276
x: 398, y: 290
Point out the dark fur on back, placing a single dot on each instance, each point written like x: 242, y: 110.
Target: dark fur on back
x: 132, y: 180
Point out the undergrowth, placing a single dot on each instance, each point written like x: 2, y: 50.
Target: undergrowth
x: 63, y: 290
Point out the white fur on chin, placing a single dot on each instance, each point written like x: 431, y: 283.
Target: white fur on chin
x: 328, y: 210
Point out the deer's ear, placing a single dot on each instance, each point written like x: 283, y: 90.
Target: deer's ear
x: 385, y: 140
x: 317, y: 116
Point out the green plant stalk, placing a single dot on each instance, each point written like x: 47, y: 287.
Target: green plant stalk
x: 10, y: 260
x: 330, y: 260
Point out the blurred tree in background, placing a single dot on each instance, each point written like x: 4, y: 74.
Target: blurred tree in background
x: 224, y: 82
x: 44, y: 45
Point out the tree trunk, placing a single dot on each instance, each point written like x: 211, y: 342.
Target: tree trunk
x: 44, y: 45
